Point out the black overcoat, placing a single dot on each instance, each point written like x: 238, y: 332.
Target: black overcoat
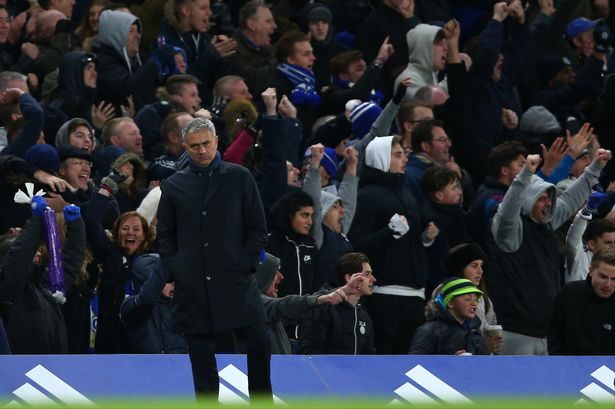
x: 211, y: 228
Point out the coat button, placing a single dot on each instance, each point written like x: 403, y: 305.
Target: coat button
x: 206, y: 245
x: 207, y: 278
x: 204, y: 213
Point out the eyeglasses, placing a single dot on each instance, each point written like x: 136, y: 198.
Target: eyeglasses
x: 79, y: 163
x: 442, y: 139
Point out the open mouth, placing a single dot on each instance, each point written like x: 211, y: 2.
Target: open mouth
x: 83, y: 177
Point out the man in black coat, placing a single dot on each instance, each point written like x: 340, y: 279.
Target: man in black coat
x: 211, y: 228
x: 583, y: 321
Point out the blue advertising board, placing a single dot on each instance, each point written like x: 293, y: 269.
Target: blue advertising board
x: 88, y: 378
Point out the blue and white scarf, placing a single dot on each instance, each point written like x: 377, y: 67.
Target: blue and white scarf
x: 303, y: 81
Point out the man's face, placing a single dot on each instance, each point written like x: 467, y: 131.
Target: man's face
x: 367, y: 287
x: 438, y: 147
x: 303, y: 56
x: 128, y: 137
x: 301, y: 220
x: 319, y: 30
x: 90, y: 75
x: 272, y: 291
x: 239, y: 90
x: 398, y: 159
x: 451, y: 194
x: 202, y: 147
x: 188, y: 97
x: 292, y: 175
x: 440, y: 52
x: 606, y: 241
x: 65, y: 6
x: 355, y: 71
x: 510, y: 171
x: 76, y: 171
x: 542, y: 208
x: 4, y: 25
x: 262, y: 26
x: 603, y: 279
x: 199, y: 14
x: 334, y: 217
x: 584, y: 42
x: 81, y: 138
x: 134, y: 38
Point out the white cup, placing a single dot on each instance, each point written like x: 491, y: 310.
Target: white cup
x: 493, y: 330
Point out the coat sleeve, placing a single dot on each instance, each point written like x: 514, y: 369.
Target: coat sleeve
x: 255, y: 224
x: 289, y: 309
x: 311, y: 186
x: 506, y: 225
x: 34, y: 119
x: 313, y: 331
x: 574, y: 246
x: 17, y: 263
x: 348, y: 193
x: 95, y: 232
x: 237, y: 150
x: 573, y: 197
x: 73, y: 251
x: 166, y: 230
x: 364, y: 235
x: 425, y: 341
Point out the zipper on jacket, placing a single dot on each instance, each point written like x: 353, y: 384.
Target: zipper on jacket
x: 299, y: 270
x: 354, y: 330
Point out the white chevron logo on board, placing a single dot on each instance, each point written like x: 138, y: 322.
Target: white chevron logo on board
x: 238, y: 380
x: 604, y: 393
x: 432, y: 384
x: 48, y: 384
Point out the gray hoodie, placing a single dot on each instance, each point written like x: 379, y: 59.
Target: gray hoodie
x: 420, y: 61
x: 62, y: 135
x: 507, y: 226
x: 114, y: 27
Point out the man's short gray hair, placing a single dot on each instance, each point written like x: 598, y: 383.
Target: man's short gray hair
x: 196, y: 125
x: 8, y: 76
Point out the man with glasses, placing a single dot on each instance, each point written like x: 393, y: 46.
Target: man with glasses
x: 431, y: 147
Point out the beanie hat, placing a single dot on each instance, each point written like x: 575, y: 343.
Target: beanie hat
x: 327, y: 200
x: 265, y: 272
x: 460, y: 256
x: 329, y: 161
x: 378, y: 153
x: 540, y: 120
x: 456, y: 287
x: 362, y: 118
x: 44, y: 157
x: 319, y: 12
x: 547, y: 67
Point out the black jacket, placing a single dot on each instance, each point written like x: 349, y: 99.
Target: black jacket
x: 336, y: 329
x: 297, y: 253
x: 211, y: 228
x: 583, y: 323
x: 116, y: 82
x: 33, y: 319
x: 255, y: 65
x: 444, y: 336
x: 394, y: 261
x: 147, y: 314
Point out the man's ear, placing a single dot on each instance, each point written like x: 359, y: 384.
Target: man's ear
x: 425, y: 147
x: 114, y: 140
x: 438, y: 195
x: 407, y: 126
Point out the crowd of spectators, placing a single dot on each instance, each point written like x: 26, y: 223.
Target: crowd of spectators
x: 435, y: 174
